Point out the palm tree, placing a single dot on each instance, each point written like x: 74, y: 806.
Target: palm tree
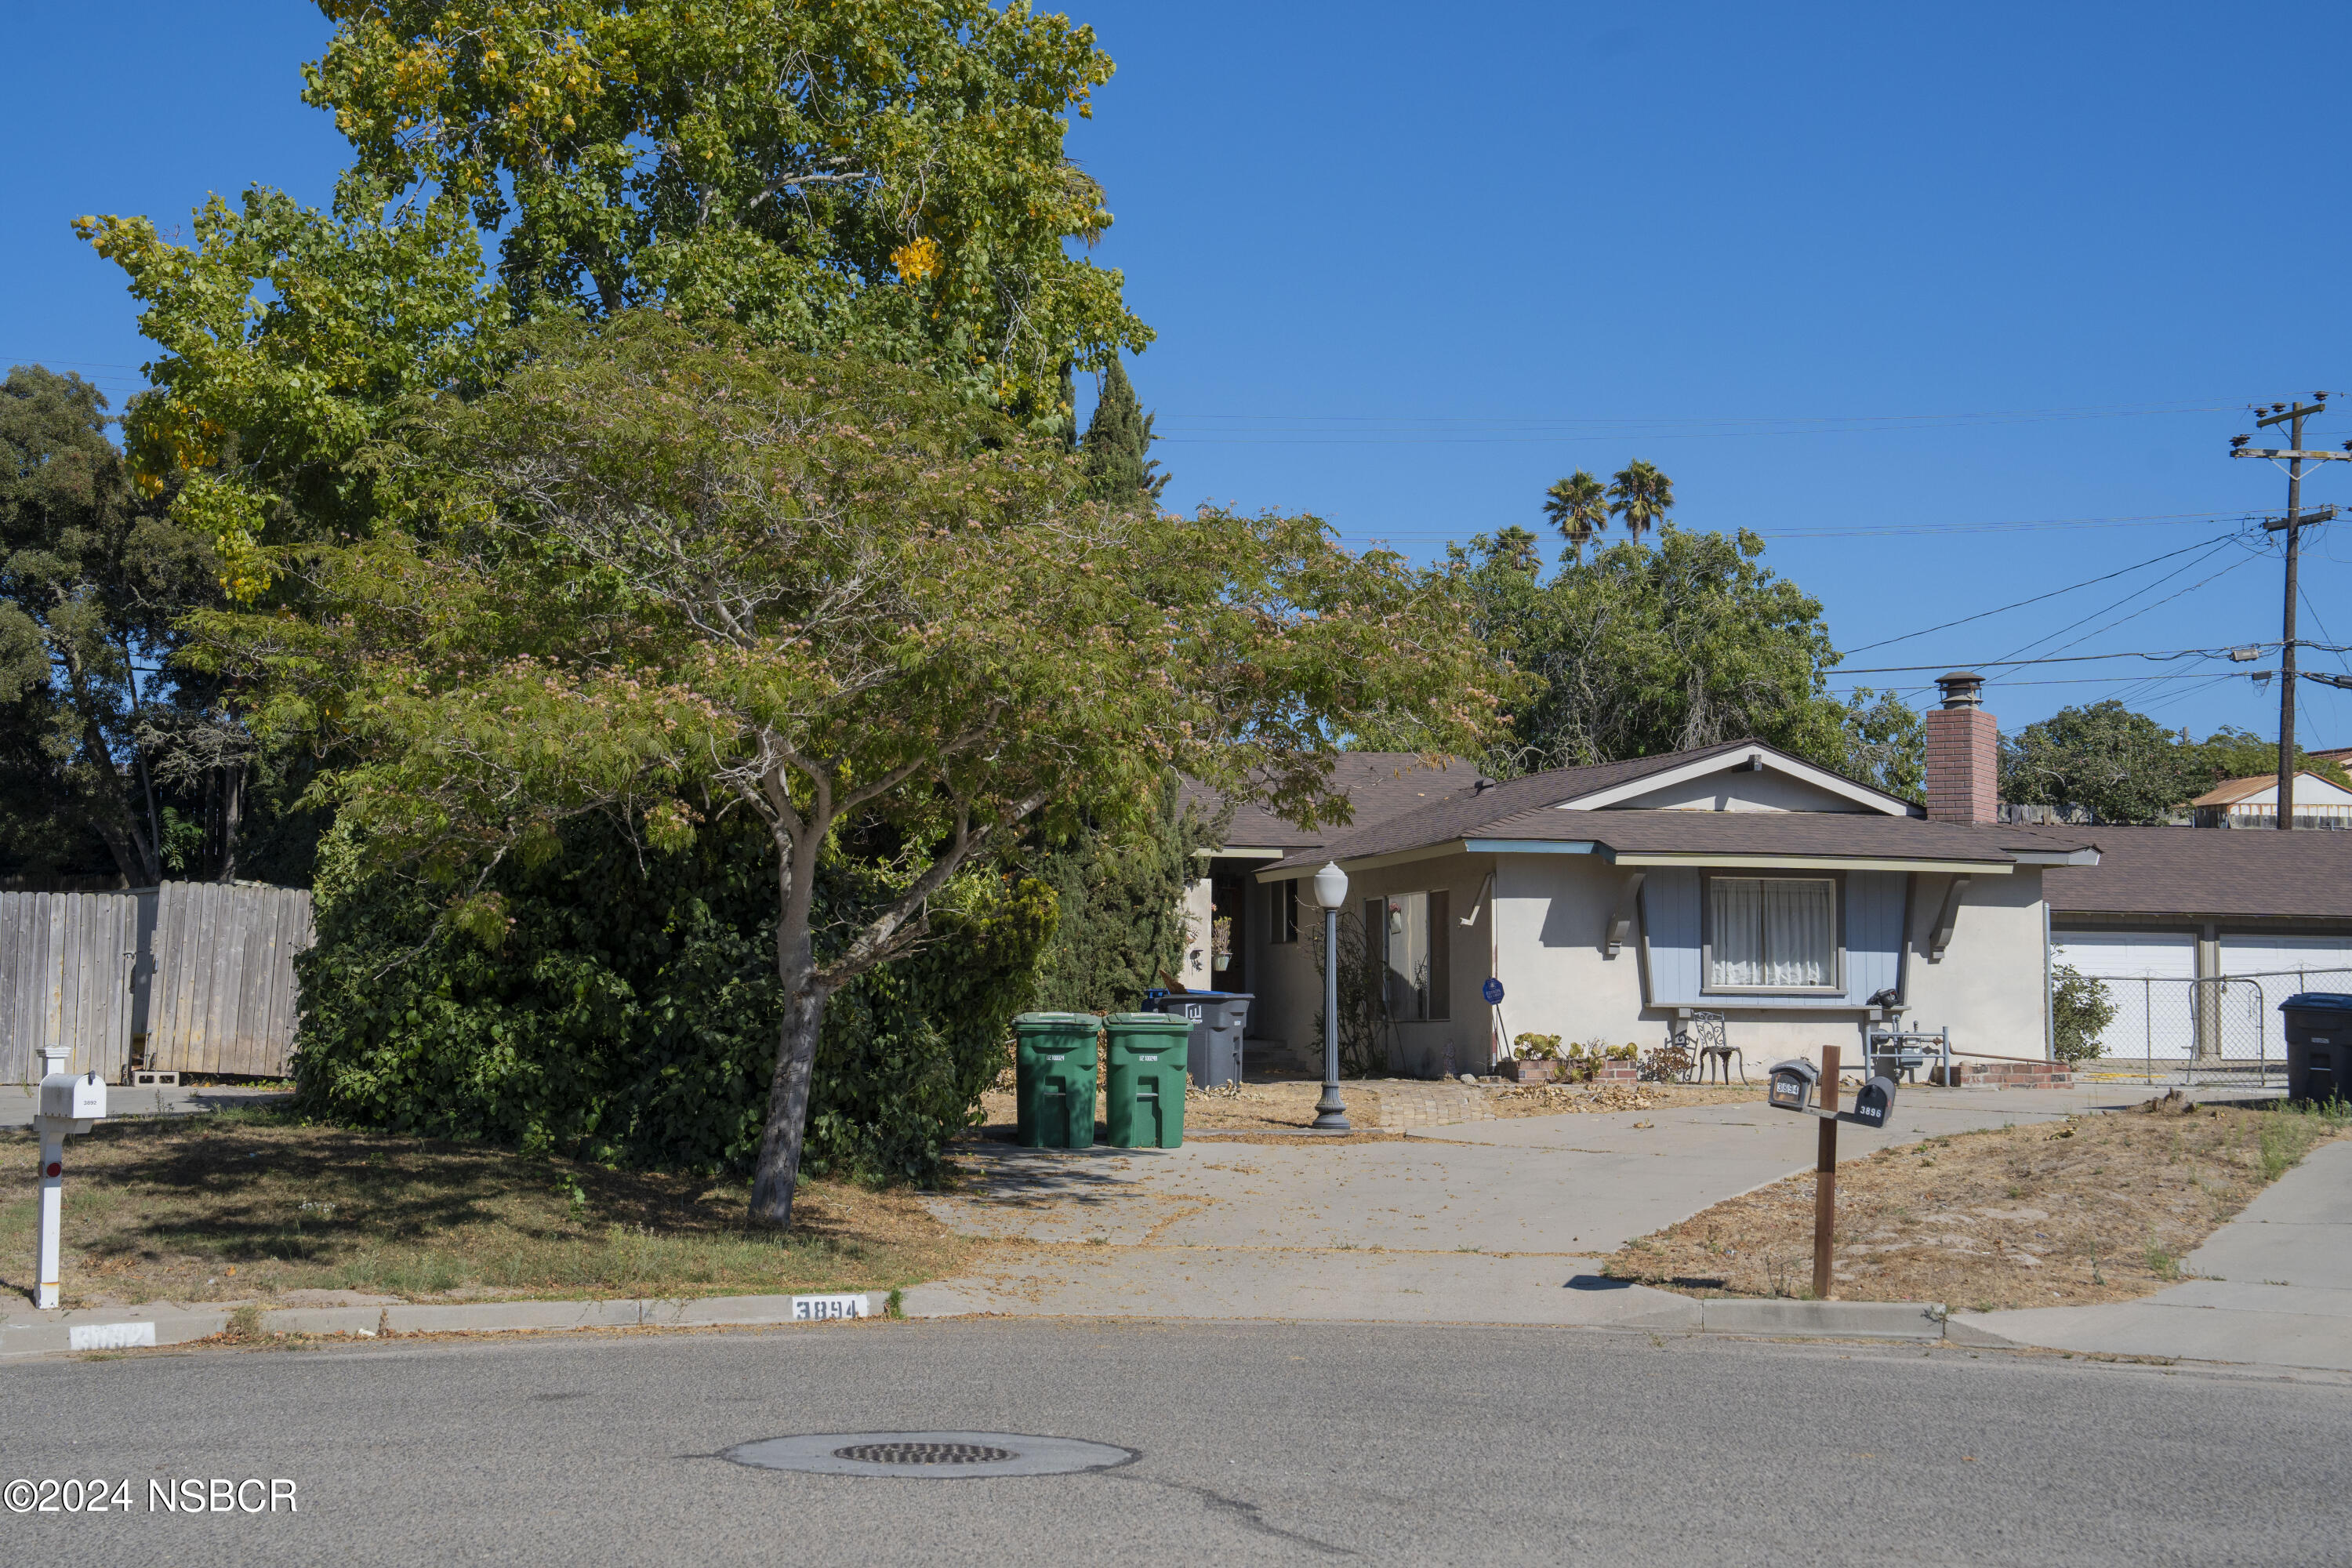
x: 1578, y: 507
x: 1642, y: 495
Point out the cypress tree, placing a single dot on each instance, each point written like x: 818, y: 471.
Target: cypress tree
x: 1122, y: 916
x: 1118, y: 444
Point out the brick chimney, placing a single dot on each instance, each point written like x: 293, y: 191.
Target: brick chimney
x: 1963, y: 753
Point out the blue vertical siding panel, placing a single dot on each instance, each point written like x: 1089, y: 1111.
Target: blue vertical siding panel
x: 1670, y: 918
x: 1873, y: 937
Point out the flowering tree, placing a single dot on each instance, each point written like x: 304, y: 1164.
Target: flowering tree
x: 656, y: 574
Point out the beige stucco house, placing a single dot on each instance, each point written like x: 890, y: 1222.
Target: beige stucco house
x: 1612, y: 901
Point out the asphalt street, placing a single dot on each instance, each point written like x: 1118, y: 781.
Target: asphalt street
x: 1255, y: 1442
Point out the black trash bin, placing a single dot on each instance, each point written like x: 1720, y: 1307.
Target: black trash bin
x: 1218, y: 1019
x: 2318, y: 1044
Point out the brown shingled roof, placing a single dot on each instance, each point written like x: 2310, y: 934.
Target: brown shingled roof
x: 1378, y: 784
x: 1464, y: 811
x: 2207, y: 872
x: 1812, y: 834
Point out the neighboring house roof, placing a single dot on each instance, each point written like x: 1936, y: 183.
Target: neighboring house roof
x: 2207, y: 875
x: 1544, y: 807
x: 2233, y: 792
x: 1378, y: 785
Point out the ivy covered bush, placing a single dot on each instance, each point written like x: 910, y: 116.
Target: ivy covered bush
x: 628, y: 1010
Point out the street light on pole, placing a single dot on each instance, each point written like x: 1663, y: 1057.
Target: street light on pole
x: 1331, y: 891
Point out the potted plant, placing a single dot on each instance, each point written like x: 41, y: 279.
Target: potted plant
x: 1538, y: 1060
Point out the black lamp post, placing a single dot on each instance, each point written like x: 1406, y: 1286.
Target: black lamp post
x: 1331, y: 891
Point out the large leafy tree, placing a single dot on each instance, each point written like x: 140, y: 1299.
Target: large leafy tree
x: 1651, y: 649
x: 92, y: 580
x: 651, y: 569
x: 888, y: 173
x: 2124, y: 767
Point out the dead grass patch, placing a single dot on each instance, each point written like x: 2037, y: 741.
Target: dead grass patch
x: 2098, y: 1208
x: 243, y: 1205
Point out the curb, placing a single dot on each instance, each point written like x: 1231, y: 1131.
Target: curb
x: 1828, y: 1319
x: 129, y: 1327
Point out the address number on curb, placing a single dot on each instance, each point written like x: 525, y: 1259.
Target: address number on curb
x: 819, y: 1309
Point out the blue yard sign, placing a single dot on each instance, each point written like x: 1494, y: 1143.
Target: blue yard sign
x: 1493, y: 992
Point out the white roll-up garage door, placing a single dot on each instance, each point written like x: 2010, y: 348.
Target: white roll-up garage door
x: 2282, y: 965
x: 2147, y: 976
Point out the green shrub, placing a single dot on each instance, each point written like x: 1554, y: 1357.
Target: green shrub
x: 2079, y: 1011
x: 629, y: 1013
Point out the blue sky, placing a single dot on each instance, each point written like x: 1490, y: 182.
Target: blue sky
x: 1870, y: 280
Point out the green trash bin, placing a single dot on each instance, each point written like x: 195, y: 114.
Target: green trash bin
x: 1053, y: 1066
x: 1148, y: 1053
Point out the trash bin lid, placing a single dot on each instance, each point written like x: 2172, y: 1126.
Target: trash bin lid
x: 2318, y: 1002
x: 1168, y: 1023
x: 1057, y: 1021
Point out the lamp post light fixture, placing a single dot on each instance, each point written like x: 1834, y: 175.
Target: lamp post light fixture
x: 1331, y: 892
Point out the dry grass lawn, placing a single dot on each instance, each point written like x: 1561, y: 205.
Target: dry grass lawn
x: 240, y: 1205
x: 2101, y: 1208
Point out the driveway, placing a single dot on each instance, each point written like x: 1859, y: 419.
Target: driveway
x: 1482, y: 1222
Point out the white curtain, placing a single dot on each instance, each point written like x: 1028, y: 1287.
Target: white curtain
x: 1772, y: 931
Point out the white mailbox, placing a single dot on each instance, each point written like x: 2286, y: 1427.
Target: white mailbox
x: 73, y: 1097
x: 70, y: 1103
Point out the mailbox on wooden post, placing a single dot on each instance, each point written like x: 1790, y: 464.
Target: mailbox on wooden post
x: 1792, y: 1085
x: 70, y: 1102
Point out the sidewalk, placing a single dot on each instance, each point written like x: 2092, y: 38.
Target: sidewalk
x: 18, y: 1102
x: 2272, y: 1285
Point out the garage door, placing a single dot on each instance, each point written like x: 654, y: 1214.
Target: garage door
x: 2282, y: 965
x: 2147, y: 976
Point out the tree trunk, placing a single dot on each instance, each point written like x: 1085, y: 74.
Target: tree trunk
x: 232, y: 817
x: 788, y: 1102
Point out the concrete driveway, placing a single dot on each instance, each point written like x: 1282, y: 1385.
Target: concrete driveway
x: 1484, y: 1221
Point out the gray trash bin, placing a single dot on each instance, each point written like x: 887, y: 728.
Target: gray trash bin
x: 1218, y: 1019
x: 2318, y: 1044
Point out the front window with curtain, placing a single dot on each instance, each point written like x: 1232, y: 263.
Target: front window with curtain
x: 1771, y: 933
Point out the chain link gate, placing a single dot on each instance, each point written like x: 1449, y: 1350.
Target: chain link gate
x: 2220, y: 1029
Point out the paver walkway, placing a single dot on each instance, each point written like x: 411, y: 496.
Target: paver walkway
x: 2274, y: 1285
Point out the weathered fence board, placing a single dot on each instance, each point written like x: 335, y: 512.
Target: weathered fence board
x: 224, y: 998
x: 68, y: 964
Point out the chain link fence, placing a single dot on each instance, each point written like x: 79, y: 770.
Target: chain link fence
x: 2222, y: 1029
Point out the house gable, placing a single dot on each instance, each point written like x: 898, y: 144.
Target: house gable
x: 1754, y: 778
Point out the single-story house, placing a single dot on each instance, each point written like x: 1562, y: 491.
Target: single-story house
x: 1613, y: 901
x: 2253, y: 803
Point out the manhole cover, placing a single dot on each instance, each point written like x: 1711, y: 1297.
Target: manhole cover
x: 938, y: 1454
x: 923, y: 1453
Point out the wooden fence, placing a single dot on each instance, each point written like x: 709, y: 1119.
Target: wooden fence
x: 204, y: 972
x: 223, y: 999
x: 67, y: 964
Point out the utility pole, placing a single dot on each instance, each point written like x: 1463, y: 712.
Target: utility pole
x: 2291, y: 525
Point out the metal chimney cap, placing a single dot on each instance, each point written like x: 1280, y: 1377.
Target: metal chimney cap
x: 1961, y: 689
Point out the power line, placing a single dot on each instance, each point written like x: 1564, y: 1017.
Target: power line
x: 2048, y: 659
x: 1964, y: 620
